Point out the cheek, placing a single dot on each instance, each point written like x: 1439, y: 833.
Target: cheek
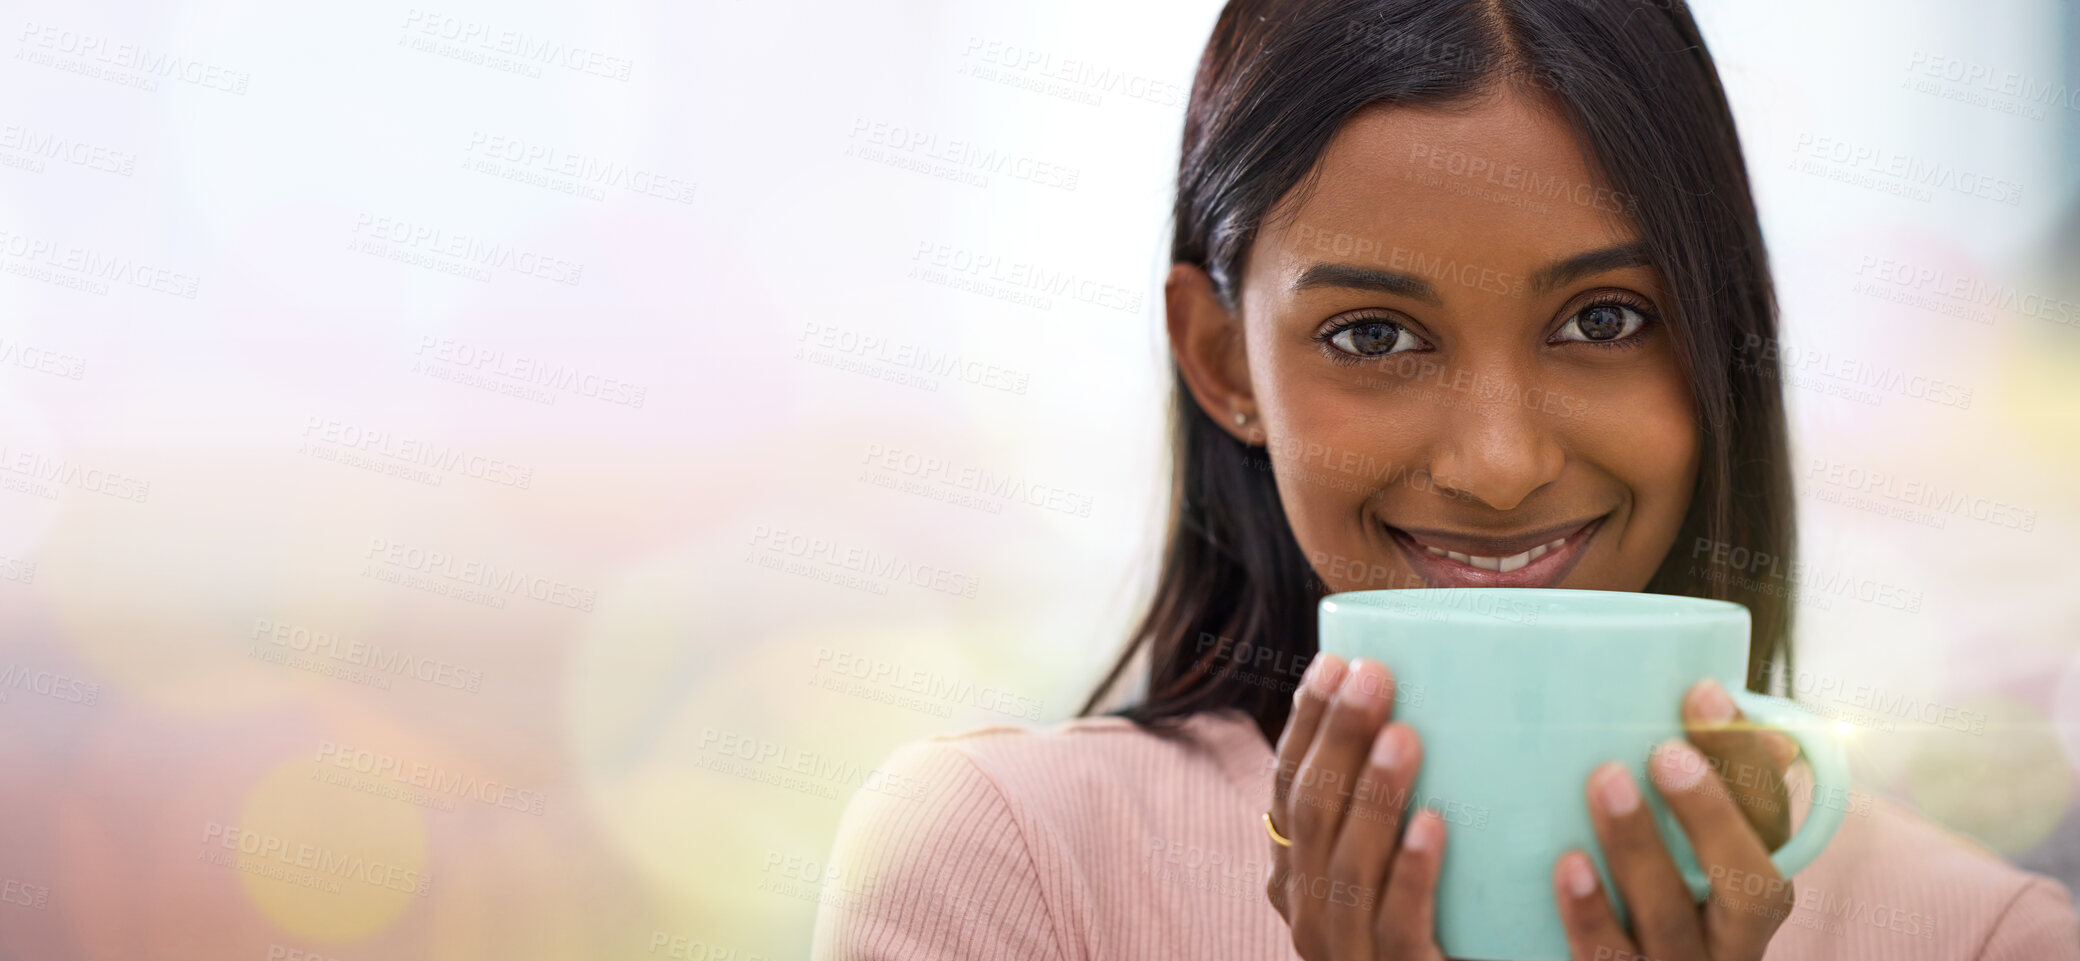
x: 1648, y: 442
x: 1665, y: 446
x: 1330, y: 460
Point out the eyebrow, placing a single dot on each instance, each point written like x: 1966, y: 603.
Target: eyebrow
x: 1367, y: 278
x: 1588, y: 264
x: 1414, y: 287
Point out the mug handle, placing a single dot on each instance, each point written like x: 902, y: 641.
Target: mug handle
x: 1830, y: 782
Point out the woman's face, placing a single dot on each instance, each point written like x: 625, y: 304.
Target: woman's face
x: 1456, y: 360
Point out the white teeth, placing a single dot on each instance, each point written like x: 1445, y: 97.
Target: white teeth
x: 1502, y: 564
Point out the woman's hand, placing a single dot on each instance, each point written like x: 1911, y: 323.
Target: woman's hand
x: 1353, y: 885
x: 1733, y: 806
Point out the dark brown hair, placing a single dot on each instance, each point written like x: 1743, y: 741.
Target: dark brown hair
x: 1232, y: 622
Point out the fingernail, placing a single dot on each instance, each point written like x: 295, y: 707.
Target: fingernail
x: 1383, y: 685
x: 1355, y: 681
x: 1324, y: 674
x: 1422, y: 832
x: 1578, y: 876
x: 1620, y: 795
x: 1713, y: 704
x: 1677, y: 765
x: 1388, y: 749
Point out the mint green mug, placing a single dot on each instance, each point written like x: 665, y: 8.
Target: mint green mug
x: 1517, y: 694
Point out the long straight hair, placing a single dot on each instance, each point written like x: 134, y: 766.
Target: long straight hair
x: 1232, y: 621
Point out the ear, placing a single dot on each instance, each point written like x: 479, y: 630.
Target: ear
x: 1211, y: 352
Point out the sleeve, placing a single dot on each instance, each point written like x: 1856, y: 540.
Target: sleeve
x: 2039, y: 925
x: 941, y: 867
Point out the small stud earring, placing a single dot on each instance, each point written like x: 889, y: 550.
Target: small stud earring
x: 1241, y: 418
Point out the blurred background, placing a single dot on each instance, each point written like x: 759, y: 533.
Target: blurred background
x: 493, y: 481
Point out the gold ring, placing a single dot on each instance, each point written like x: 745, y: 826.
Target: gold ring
x: 1280, y: 839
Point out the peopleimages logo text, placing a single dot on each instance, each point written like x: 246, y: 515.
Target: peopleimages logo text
x: 479, y: 574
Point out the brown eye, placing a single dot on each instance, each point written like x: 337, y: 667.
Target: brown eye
x: 1603, y: 323
x: 1373, y: 338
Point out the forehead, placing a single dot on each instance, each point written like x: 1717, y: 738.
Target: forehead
x: 1502, y: 184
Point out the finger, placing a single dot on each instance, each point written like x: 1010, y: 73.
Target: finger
x: 1323, y: 786
x: 1365, y: 845
x: 1593, y: 931
x: 1744, y: 756
x: 1748, y: 898
x: 1310, y: 700
x: 1406, y: 924
x: 1317, y: 686
x: 1782, y: 748
x: 1664, y: 919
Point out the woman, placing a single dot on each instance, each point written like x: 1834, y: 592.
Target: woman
x: 1465, y: 293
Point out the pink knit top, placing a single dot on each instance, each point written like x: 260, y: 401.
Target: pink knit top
x: 1092, y: 839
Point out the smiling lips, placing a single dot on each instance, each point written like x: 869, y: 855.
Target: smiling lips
x: 1503, y: 564
x: 1531, y: 559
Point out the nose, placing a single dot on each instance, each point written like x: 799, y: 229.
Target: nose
x: 1492, y: 447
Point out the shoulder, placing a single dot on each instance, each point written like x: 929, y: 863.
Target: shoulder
x: 985, y: 843
x: 935, y: 862
x: 1047, y: 767
x: 1086, y: 784
x: 1903, y: 886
